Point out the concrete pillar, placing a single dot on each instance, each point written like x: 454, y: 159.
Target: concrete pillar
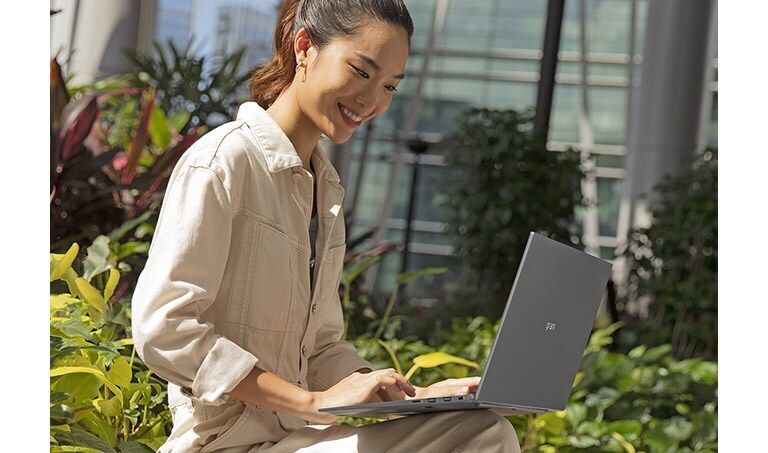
x: 101, y: 30
x: 664, y: 130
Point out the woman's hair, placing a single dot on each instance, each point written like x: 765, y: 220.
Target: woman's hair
x: 323, y: 20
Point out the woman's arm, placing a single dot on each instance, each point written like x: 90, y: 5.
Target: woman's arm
x: 268, y: 390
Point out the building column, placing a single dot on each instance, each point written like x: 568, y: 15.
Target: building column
x: 101, y: 30
x: 665, y: 113
x: 665, y: 120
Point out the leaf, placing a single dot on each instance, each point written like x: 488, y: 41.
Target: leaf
x: 61, y: 301
x: 65, y: 262
x: 392, y: 355
x: 66, y: 370
x: 97, y: 260
x: 114, y: 278
x: 120, y: 373
x: 98, y: 426
x: 90, y: 440
x: 628, y: 447
x: 90, y: 294
x: 110, y: 407
x: 412, y: 275
x: 158, y: 128
x: 434, y: 359
x: 118, y: 233
x: 135, y: 447
x: 62, y: 413
x: 179, y: 119
x: 81, y: 387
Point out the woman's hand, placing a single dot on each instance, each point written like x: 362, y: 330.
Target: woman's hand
x: 358, y: 388
x: 449, y: 387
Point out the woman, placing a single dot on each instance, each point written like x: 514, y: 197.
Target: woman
x: 238, y: 306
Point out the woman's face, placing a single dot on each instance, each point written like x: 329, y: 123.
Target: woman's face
x: 352, y: 79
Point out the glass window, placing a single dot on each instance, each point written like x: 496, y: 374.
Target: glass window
x: 608, y: 198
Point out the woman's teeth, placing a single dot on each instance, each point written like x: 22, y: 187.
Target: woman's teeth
x: 351, y: 115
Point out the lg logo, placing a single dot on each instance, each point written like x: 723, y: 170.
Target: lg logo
x: 550, y: 326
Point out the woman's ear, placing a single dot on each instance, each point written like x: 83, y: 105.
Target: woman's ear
x: 301, y: 46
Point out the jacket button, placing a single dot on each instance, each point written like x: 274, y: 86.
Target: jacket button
x: 304, y: 350
x: 314, y: 307
x: 296, y: 177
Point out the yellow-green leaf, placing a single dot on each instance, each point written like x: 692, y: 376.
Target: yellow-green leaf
x: 90, y: 294
x: 60, y: 301
x: 114, y: 278
x: 434, y: 359
x: 65, y: 262
x: 628, y: 447
x: 120, y: 373
x: 65, y: 370
x: 70, y: 276
x: 110, y: 407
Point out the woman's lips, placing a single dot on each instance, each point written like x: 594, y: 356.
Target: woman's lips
x: 347, y: 115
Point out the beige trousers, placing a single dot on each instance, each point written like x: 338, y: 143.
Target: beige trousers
x: 461, y: 431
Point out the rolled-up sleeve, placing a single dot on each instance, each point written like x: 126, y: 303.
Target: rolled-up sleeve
x: 180, y: 281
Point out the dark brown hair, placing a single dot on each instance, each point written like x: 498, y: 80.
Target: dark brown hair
x: 323, y: 20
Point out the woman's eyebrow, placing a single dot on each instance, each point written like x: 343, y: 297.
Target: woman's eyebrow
x: 374, y: 65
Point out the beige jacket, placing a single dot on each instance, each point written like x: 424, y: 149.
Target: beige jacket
x: 226, y: 285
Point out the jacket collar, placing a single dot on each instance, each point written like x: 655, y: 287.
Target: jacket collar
x: 278, y: 150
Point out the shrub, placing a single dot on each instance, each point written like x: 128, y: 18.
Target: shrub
x: 507, y: 184
x: 103, y: 398
x: 673, y: 265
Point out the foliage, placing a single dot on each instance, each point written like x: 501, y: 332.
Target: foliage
x: 507, y: 185
x: 111, y: 155
x: 645, y: 400
x: 184, y: 82
x: 673, y: 264
x: 103, y: 398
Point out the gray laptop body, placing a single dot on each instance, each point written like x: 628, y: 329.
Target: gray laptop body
x: 540, y: 342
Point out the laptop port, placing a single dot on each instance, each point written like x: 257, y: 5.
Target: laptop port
x: 415, y: 401
x: 446, y: 398
x: 461, y: 397
x: 432, y: 400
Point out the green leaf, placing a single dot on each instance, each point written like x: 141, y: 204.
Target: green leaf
x: 121, y: 231
x: 575, y: 414
x: 411, y: 275
x: 158, y: 128
x: 101, y: 428
x: 135, y: 447
x: 81, y: 387
x: 97, y: 259
x: 120, y: 373
x: 654, y: 354
x: 62, y: 413
x: 179, y: 120
x: 111, y: 407
x: 63, y: 371
x: 89, y: 440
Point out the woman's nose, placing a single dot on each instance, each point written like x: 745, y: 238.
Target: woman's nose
x: 367, y: 101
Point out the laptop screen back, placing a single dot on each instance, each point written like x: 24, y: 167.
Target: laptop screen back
x: 545, y: 326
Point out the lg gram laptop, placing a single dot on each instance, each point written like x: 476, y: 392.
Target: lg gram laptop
x: 540, y: 341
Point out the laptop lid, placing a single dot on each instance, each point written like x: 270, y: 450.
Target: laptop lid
x: 545, y: 326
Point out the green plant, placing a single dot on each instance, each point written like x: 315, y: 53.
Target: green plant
x: 645, y: 400
x: 673, y: 264
x: 111, y: 155
x: 185, y: 82
x: 506, y: 185
x: 103, y: 398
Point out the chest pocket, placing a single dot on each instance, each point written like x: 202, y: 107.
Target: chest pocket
x: 266, y: 272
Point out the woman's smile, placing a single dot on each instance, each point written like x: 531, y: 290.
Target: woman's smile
x: 350, y: 117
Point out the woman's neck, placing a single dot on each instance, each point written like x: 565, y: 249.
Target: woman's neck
x: 300, y: 131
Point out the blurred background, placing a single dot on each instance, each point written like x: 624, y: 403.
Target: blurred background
x: 591, y: 121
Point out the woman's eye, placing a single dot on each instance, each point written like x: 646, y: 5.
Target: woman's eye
x: 362, y: 73
x: 391, y: 88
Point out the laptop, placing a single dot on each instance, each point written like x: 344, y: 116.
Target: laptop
x: 540, y: 342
